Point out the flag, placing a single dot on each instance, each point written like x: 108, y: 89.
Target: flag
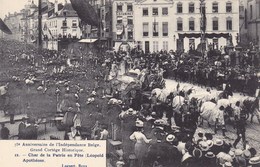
x: 85, y: 11
x: 4, y: 27
x: 50, y: 32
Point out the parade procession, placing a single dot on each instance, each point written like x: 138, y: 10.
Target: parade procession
x: 167, y: 83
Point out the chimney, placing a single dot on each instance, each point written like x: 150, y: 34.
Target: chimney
x: 56, y: 6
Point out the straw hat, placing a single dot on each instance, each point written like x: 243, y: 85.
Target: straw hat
x: 170, y: 138
x: 204, y: 146
x: 238, y: 152
x: 246, y: 154
x: 139, y: 124
x: 218, y: 142
x: 210, y: 155
x: 197, y: 153
x: 254, y: 160
x: 228, y: 164
x: 210, y: 143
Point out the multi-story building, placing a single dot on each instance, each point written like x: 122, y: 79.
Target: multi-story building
x: 123, y: 24
x: 253, y: 21
x: 105, y: 15
x: 61, y: 25
x: 154, y: 25
x: 221, y: 23
x: 13, y: 21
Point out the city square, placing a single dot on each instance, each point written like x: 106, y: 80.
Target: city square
x: 165, y: 82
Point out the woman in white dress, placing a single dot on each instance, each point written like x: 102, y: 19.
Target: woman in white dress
x: 141, y: 141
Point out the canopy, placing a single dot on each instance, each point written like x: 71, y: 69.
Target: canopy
x: 207, y: 35
x: 4, y: 27
x: 89, y: 40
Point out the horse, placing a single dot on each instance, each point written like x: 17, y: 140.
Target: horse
x: 207, y: 112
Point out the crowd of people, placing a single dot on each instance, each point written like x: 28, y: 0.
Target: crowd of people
x: 152, y: 132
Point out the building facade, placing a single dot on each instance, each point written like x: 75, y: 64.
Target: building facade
x: 253, y: 21
x: 221, y: 23
x: 154, y: 26
x: 14, y: 23
x: 123, y: 24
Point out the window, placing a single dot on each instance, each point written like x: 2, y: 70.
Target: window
x: 74, y: 23
x: 119, y: 37
x: 165, y: 45
x: 64, y: 23
x: 215, y: 7
x: 215, y: 24
x: 165, y: 28
x: 145, y: 29
x: 229, y: 7
x: 155, y: 46
x: 192, y: 44
x: 155, y: 29
x: 179, y: 25
x: 119, y: 19
x: 179, y: 8
x: 145, y: 12
x: 130, y: 7
x: 119, y: 8
x: 191, y: 25
x: 130, y: 20
x: 164, y: 11
x: 229, y: 24
x: 155, y: 11
x: 191, y: 7
x: 215, y: 44
x: 130, y: 34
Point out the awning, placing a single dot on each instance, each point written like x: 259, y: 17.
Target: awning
x: 207, y: 35
x: 88, y: 40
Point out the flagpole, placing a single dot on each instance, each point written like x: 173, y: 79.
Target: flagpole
x: 39, y: 24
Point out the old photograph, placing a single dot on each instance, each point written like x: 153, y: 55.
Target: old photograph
x: 166, y: 83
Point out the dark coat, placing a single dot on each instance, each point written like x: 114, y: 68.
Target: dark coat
x: 5, y: 133
x: 21, y: 130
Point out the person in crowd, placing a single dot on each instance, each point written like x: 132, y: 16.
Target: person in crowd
x: 241, y: 132
x: 21, y: 128
x: 220, y: 122
x: 140, y: 142
x: 104, y: 133
x: 4, y: 132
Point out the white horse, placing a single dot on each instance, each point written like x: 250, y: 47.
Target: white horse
x: 177, y: 102
x: 208, y: 112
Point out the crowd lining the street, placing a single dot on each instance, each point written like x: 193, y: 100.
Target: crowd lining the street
x: 152, y: 132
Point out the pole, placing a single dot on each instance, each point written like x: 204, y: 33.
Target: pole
x: 203, y: 25
x: 39, y: 24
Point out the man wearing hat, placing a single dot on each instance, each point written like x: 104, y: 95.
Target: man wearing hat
x: 158, y: 133
x: 255, y: 161
x: 220, y: 122
x: 217, y: 147
x: 21, y: 128
x: 209, y: 159
x: 241, y: 132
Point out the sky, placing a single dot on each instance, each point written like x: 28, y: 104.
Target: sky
x: 16, y: 5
